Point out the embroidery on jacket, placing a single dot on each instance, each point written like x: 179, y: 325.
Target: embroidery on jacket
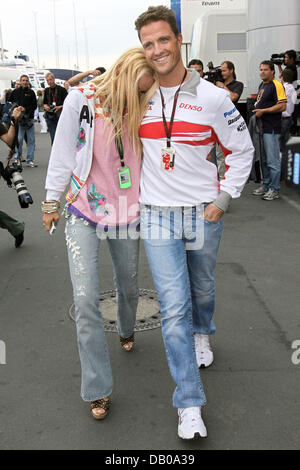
x: 75, y: 186
x: 81, y: 139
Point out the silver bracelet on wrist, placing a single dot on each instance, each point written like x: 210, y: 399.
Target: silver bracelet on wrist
x: 50, y: 206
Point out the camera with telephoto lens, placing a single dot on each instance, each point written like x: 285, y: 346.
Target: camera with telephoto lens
x: 214, y: 74
x: 12, y: 174
x: 278, y: 59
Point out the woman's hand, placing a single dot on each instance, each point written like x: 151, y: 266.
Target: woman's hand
x: 49, y: 218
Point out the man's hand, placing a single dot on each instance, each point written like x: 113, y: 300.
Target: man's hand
x: 220, y: 84
x: 258, y: 112
x: 57, y: 108
x: 17, y: 112
x: 49, y: 218
x: 212, y: 213
x: 47, y: 107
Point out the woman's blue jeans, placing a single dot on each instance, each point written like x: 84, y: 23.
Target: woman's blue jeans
x: 182, y: 248
x: 83, y: 248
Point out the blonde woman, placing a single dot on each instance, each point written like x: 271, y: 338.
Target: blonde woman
x: 97, y: 150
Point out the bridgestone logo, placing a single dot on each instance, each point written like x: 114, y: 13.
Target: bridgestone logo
x: 191, y: 107
x: 242, y: 127
x: 231, y: 121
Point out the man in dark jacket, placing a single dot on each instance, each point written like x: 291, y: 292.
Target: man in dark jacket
x: 14, y: 227
x: 25, y: 97
x: 54, y: 98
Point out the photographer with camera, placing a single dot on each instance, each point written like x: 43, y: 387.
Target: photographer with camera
x: 26, y: 98
x: 289, y: 60
x: 229, y: 82
x: 54, y: 97
x: 15, y: 228
x: 287, y: 116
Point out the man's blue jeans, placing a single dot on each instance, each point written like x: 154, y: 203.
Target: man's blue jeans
x: 182, y: 248
x: 83, y: 247
x: 52, y: 125
x: 30, y: 141
x: 271, y: 162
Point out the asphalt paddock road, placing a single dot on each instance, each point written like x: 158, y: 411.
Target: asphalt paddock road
x: 252, y: 387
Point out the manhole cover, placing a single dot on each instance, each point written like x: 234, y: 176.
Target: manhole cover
x: 147, y: 317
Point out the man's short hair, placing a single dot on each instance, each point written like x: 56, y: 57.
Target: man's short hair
x: 101, y: 69
x: 49, y: 74
x: 24, y: 75
x: 230, y: 66
x: 291, y: 54
x: 159, y: 13
x: 288, y: 76
x: 195, y: 62
x: 269, y: 63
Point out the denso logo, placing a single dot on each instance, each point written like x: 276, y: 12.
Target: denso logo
x: 191, y: 107
x: 229, y: 113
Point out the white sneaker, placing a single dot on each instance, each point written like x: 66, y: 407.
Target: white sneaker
x: 190, y: 423
x: 204, y: 353
x: 259, y: 191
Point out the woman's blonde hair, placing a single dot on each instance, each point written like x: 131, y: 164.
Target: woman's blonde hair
x: 118, y: 92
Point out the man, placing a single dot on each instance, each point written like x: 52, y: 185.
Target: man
x: 15, y: 228
x: 179, y: 191
x: 73, y: 81
x: 235, y: 89
x: 286, y: 118
x: 271, y: 102
x: 26, y: 98
x: 230, y: 83
x: 290, y: 64
x: 54, y: 97
x: 197, y: 65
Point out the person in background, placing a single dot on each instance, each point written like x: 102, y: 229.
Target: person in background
x: 41, y: 111
x: 271, y: 102
x: 235, y: 89
x: 73, y: 81
x: 24, y: 96
x: 286, y: 118
x: 54, y: 97
x: 67, y: 86
x: 14, y: 227
x: 230, y: 82
x: 197, y: 65
x: 290, y: 64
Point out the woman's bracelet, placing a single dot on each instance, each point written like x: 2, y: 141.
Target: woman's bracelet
x: 50, y: 206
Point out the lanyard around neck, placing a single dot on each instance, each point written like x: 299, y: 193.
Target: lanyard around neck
x: 168, y: 129
x: 119, y: 145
